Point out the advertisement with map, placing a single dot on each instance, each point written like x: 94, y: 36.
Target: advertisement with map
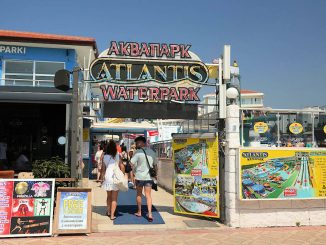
x: 282, y: 173
x: 196, y: 166
x: 26, y: 207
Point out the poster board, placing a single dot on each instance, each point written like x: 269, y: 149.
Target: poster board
x: 73, y: 213
x: 196, y: 174
x: 26, y: 207
x: 282, y: 173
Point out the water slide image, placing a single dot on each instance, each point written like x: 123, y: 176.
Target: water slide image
x: 278, y: 178
x: 191, y: 157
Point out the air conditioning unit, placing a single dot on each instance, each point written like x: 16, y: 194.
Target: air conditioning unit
x: 96, y: 104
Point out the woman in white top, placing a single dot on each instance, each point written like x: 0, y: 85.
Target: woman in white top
x: 110, y: 158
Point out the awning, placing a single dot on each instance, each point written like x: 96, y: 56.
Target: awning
x: 34, y: 95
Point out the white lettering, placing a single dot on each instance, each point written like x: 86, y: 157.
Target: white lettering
x: 12, y: 49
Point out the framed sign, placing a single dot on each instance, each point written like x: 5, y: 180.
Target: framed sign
x: 196, y: 179
x: 73, y: 213
x: 282, y: 173
x: 26, y: 207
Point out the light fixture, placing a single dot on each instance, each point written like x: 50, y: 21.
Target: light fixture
x: 232, y: 93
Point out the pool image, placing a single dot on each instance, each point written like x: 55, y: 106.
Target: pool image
x: 269, y: 179
x: 191, y: 157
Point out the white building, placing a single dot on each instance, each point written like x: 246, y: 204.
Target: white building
x: 249, y: 98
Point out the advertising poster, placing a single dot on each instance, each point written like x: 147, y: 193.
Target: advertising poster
x: 196, y: 166
x: 73, y: 212
x: 282, y: 173
x: 26, y: 207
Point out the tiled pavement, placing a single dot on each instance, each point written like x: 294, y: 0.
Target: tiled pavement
x: 301, y: 235
x: 175, y: 231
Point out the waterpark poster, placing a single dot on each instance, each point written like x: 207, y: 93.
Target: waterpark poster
x: 26, y: 207
x: 196, y: 186
x: 282, y: 174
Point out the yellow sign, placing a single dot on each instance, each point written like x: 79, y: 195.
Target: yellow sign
x: 325, y: 129
x: 196, y: 182
x: 295, y: 128
x: 260, y: 127
x: 282, y: 173
x: 85, y: 134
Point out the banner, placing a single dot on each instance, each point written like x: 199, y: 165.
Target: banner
x: 73, y: 213
x: 26, y: 207
x: 282, y: 173
x: 196, y: 185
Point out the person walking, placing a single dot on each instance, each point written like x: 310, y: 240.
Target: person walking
x: 143, y: 157
x: 131, y: 173
x: 98, y: 160
x: 110, y: 159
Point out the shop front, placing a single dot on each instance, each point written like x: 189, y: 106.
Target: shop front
x: 35, y: 117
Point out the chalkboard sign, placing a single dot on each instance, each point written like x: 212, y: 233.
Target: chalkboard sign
x: 73, y: 212
x: 26, y: 207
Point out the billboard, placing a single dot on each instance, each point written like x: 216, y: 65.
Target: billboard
x: 282, y: 173
x: 26, y: 207
x: 196, y: 180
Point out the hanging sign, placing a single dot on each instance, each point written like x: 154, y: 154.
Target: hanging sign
x: 26, y: 207
x: 144, y: 71
x: 73, y: 211
x: 325, y: 129
x: 295, y: 128
x: 196, y: 179
x: 260, y: 127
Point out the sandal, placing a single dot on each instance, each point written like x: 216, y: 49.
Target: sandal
x: 108, y: 214
x: 137, y: 215
x: 150, y: 219
x: 113, y: 218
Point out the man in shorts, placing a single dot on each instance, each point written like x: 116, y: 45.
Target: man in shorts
x: 141, y: 170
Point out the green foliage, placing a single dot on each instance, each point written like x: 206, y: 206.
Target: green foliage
x: 54, y: 167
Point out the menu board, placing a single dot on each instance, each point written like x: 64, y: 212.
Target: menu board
x: 73, y: 213
x: 196, y: 185
x: 282, y: 173
x: 26, y: 207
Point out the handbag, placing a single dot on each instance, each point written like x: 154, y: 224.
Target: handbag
x: 119, y: 178
x: 152, y: 171
x: 128, y: 168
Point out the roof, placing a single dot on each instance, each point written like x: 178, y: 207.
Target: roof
x: 243, y: 91
x: 35, y: 37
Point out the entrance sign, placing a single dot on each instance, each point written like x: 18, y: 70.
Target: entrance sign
x: 196, y: 180
x: 73, y: 211
x: 282, y: 174
x: 26, y: 207
x: 157, y: 72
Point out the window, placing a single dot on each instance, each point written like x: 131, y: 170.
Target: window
x: 31, y: 73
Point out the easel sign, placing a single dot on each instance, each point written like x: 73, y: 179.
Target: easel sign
x: 26, y: 207
x: 73, y: 212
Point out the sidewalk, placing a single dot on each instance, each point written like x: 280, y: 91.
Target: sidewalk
x: 175, y: 230
x: 162, y: 200
x: 287, y: 236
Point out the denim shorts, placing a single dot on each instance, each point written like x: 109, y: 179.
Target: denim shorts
x: 142, y: 183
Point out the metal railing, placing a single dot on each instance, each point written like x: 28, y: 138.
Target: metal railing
x: 283, y: 127
x: 26, y: 82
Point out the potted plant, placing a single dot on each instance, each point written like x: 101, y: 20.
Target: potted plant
x: 54, y: 167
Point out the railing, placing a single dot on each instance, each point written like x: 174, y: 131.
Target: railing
x: 26, y: 82
x: 282, y: 128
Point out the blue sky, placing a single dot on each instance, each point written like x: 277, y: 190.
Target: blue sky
x: 279, y: 45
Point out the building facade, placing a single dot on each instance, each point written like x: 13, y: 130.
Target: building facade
x: 36, y: 117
